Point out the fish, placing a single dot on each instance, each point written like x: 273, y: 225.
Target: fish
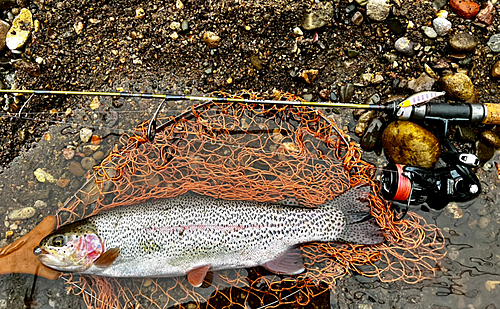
x: 193, y: 234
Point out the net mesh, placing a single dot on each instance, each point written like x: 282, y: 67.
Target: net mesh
x: 249, y: 152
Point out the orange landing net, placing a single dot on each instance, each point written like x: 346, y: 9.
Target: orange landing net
x: 249, y: 152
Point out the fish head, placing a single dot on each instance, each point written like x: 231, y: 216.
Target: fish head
x: 72, y: 248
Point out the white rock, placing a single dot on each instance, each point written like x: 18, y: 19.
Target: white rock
x: 85, y: 134
x: 23, y: 213
x: 442, y: 26
x: 378, y: 9
x: 429, y: 32
x: 297, y: 32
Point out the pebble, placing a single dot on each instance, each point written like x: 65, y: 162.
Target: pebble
x: 333, y: 96
x: 211, y: 39
x: 357, y: 18
x: 494, y: 43
x: 465, y: 9
x: 88, y: 163
x: 438, y: 4
x: 4, y: 29
x: 308, y: 97
x: 362, y: 2
x: 463, y: 42
x: 63, y: 182
x: 458, y: 86
x: 405, y: 46
x: 491, y: 138
x: 483, y: 151
x: 175, y: 25
x: 486, y: 15
x: 346, y: 93
x: 319, y: 17
x: 378, y: 10
x: 495, y: 71
x: 22, y: 214
x: 308, y: 75
x: 483, y: 222
x: 68, y: 153
x: 395, y: 26
x: 184, y: 25
x: 43, y: 176
x: 429, y: 32
x: 98, y: 155
x: 363, y: 122
x: 256, y: 62
x: 40, y: 204
x: 85, y: 134
x: 372, y: 134
x: 423, y: 83
x: 297, y: 32
x: 76, y: 169
x: 453, y: 211
x: 351, y: 53
x: 139, y: 13
x: 20, y: 30
x: 405, y: 142
x: 442, y: 26
x: 32, y: 68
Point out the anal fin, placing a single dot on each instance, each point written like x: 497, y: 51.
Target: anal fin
x: 107, y: 258
x: 197, y: 275
x: 288, y: 263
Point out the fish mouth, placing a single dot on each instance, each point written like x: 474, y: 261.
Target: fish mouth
x: 60, y: 263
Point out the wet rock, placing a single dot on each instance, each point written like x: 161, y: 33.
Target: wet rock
x: 63, y: 182
x: 453, y: 211
x: 256, y: 62
x: 4, y: 29
x: 407, y: 143
x: 22, y: 214
x: 43, y: 176
x: 442, y: 26
x: 211, y: 39
x: 364, y: 122
x: 372, y: 134
x: 357, y: 18
x: 491, y: 138
x: 463, y: 42
x: 88, y: 163
x: 20, y: 30
x: 32, y: 68
x: 346, y: 93
x: 352, y: 53
x: 319, y: 17
x: 308, y: 75
x: 466, y: 134
x: 495, y: 71
x: 483, y: 222
x: 76, y: 169
x: 40, y: 204
x: 377, y: 10
x: 405, y: 46
x: 98, y: 155
x: 485, y: 15
x: 458, y: 86
x: 494, y: 43
x: 483, y: 151
x: 429, y: 32
x: 465, y: 9
x: 422, y: 83
x: 85, y: 134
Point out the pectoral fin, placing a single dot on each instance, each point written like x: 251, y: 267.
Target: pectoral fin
x: 107, y: 258
x: 197, y: 275
x: 289, y: 263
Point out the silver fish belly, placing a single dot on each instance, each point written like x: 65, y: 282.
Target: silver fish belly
x: 170, y: 237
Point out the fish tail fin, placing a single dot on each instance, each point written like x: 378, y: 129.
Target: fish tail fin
x: 361, y: 228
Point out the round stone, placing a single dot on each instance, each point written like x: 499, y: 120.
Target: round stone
x: 377, y: 10
x: 405, y: 142
x: 494, y: 43
x: 22, y: 214
x: 442, y: 26
x: 463, y: 42
x: 405, y: 46
x: 429, y: 32
x: 88, y: 163
x: 458, y: 85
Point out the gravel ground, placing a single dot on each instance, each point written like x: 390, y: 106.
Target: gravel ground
x: 204, y: 46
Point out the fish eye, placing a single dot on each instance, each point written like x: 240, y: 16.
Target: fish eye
x: 58, y: 241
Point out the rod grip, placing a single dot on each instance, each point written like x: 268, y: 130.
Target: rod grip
x: 492, y: 114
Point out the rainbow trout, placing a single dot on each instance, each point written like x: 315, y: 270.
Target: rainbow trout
x: 190, y: 235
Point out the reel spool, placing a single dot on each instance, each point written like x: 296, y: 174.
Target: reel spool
x: 415, y: 185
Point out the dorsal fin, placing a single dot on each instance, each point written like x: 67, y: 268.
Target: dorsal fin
x: 107, y: 258
x: 197, y: 275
